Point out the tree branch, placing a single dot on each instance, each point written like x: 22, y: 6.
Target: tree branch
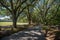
x: 48, y: 8
x: 11, y: 1
x: 20, y: 12
x: 20, y: 5
x: 5, y: 6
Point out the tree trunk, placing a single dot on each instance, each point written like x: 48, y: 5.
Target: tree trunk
x: 29, y: 17
x: 46, y: 32
x: 14, y: 22
x: 30, y: 21
x: 0, y: 29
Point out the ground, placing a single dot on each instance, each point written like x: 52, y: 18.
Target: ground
x: 28, y: 34
x: 33, y: 33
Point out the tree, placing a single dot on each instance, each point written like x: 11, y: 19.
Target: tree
x: 46, y: 15
x: 15, y: 8
x: 30, y: 10
x: 35, y: 16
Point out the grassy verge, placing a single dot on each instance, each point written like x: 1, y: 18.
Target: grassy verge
x: 5, y: 23
x: 10, y: 23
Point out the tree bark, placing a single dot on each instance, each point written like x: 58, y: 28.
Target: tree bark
x: 29, y: 17
x: 14, y: 23
x: 46, y: 32
x: 0, y: 29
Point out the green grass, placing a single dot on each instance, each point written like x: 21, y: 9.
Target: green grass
x: 5, y: 23
x: 10, y: 23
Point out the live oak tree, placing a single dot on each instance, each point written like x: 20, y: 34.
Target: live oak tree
x: 15, y: 7
x: 29, y: 10
x: 45, y: 7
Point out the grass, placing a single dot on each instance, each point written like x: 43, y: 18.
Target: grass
x: 10, y: 23
x: 5, y: 23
